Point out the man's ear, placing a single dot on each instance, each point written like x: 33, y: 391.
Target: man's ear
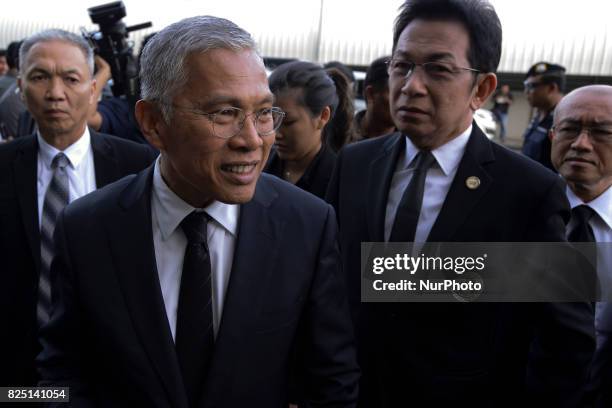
x: 93, y: 95
x: 150, y: 121
x: 485, y: 86
x: 20, y: 86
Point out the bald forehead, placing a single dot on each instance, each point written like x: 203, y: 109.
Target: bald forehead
x: 598, y: 93
x: 596, y: 99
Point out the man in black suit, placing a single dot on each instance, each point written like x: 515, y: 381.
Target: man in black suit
x: 190, y: 283
x: 582, y: 154
x: 440, y: 179
x: 56, y: 81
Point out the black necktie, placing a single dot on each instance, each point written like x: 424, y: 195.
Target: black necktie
x: 407, y: 215
x: 194, y: 322
x: 582, y: 231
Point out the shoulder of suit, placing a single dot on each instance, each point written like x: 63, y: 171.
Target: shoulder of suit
x: 136, y: 151
x: 288, y: 194
x: 101, y: 199
x: 117, y: 141
x: 520, y: 164
x: 368, y: 147
x: 8, y: 149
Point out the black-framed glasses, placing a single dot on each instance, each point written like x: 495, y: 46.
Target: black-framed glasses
x: 569, y: 132
x: 228, y: 122
x: 435, y: 70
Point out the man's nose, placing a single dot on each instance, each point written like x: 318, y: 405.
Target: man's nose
x: 583, y: 141
x: 248, y: 137
x: 55, y: 89
x: 414, y: 81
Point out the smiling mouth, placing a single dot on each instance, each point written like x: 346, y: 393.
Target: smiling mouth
x: 239, y: 168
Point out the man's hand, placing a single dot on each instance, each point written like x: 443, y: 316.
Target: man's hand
x: 102, y: 75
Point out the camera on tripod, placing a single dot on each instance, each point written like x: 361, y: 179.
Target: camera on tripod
x: 112, y: 44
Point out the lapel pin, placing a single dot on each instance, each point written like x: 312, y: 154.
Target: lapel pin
x: 472, y: 182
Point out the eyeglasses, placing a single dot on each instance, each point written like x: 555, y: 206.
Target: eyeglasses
x: 570, y: 132
x: 434, y: 70
x: 530, y: 86
x: 228, y: 122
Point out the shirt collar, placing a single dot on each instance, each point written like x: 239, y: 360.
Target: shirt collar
x: 447, y: 156
x: 601, y: 204
x: 76, y: 152
x: 173, y: 209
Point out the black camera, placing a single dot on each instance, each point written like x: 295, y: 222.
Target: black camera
x: 112, y: 44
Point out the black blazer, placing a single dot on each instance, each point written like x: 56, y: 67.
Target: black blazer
x: 20, y: 240
x: 601, y: 375
x: 316, y: 177
x: 109, y: 337
x: 462, y: 354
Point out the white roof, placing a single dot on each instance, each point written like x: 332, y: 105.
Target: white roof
x: 577, y: 35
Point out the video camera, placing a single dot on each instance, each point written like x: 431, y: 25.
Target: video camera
x: 111, y: 44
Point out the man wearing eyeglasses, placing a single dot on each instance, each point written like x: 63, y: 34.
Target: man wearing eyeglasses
x: 582, y: 154
x: 439, y: 179
x: 544, y: 87
x: 190, y: 284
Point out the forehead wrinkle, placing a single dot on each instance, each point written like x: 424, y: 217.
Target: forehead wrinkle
x: 43, y: 65
x: 432, y: 55
x: 232, y: 100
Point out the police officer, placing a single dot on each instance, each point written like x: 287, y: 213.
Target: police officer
x: 544, y: 87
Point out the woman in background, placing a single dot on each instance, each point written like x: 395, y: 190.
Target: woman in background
x: 319, y: 113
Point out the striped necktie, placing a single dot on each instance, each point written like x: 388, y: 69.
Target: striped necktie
x: 56, y: 198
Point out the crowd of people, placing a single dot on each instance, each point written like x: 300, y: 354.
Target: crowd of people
x: 204, y: 247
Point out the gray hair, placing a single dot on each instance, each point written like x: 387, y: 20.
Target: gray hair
x: 56, y: 35
x: 162, y: 63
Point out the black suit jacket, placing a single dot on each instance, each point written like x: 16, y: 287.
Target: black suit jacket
x: 602, y: 360
x: 316, y: 177
x: 20, y: 240
x: 110, y: 340
x: 462, y: 354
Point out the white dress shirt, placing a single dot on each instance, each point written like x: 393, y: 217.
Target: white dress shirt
x: 81, y: 171
x: 601, y: 223
x: 437, y: 182
x: 167, y: 212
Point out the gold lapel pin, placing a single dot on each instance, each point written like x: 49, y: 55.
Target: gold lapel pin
x: 472, y: 182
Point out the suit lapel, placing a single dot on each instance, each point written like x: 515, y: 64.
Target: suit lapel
x: 133, y: 252
x: 255, y: 254
x: 379, y: 180
x: 105, y: 163
x: 25, y: 169
x: 460, y: 199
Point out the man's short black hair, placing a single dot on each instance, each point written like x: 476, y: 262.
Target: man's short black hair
x: 478, y: 17
x: 549, y: 74
x: 12, y: 54
x: 377, y: 74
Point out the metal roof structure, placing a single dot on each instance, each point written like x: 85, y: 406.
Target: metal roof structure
x: 577, y: 35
